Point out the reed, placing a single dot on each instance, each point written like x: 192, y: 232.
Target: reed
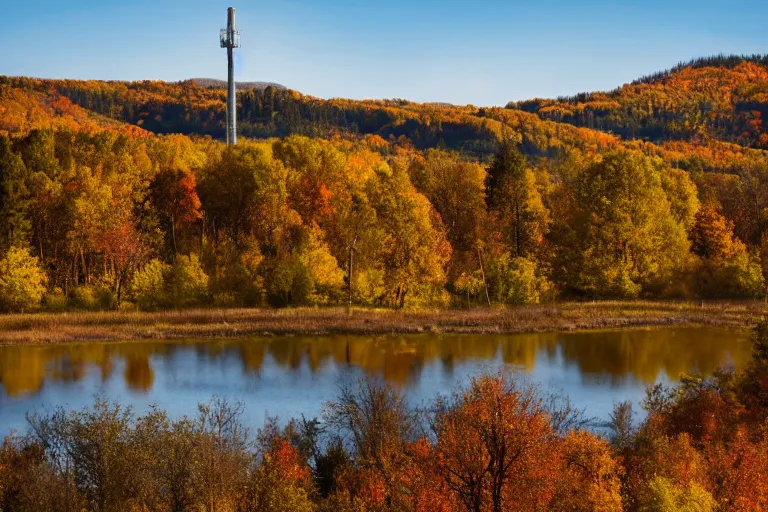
x: 208, y: 323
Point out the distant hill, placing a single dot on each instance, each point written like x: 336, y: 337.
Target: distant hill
x: 23, y: 110
x: 723, y: 98
x: 215, y: 83
x: 701, y: 114
x: 193, y: 109
x: 717, y: 61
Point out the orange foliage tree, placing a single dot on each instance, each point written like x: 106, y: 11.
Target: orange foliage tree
x: 495, y: 447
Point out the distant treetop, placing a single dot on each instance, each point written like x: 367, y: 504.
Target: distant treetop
x: 215, y: 83
x: 714, y: 61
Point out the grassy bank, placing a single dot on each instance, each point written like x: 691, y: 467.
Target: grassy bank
x: 208, y: 323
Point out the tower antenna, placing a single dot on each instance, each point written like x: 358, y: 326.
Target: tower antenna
x: 230, y: 39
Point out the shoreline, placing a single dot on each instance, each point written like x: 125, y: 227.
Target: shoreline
x: 73, y: 327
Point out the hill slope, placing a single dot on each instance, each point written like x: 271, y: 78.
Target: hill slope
x: 24, y: 110
x: 193, y: 109
x: 704, y: 114
x: 723, y: 98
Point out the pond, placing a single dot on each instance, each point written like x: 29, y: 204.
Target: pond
x: 291, y: 375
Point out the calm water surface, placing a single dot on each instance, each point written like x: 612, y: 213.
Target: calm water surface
x: 290, y: 376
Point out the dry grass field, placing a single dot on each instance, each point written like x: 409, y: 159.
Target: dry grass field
x: 207, y: 323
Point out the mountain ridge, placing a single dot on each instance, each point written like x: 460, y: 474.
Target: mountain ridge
x: 722, y: 97
x: 705, y: 101
x: 216, y: 83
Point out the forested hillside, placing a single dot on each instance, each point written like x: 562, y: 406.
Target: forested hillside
x: 190, y: 108
x: 24, y: 110
x: 116, y: 194
x: 722, y: 98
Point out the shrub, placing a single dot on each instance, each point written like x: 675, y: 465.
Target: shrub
x: 590, y: 478
x: 55, y: 301
x: 183, y: 284
x: 22, y: 281
x: 469, y: 285
x: 238, y: 281
x: 368, y: 285
x: 737, y: 277
x: 309, y: 275
x: 290, y: 282
x: 516, y: 281
x: 148, y: 285
x: 746, y: 275
x: 224, y: 300
x: 187, y: 282
x: 92, y: 297
x: 127, y: 305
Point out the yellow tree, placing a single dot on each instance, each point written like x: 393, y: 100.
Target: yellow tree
x: 456, y: 189
x: 620, y: 236
x: 22, y: 281
x: 683, y: 196
x: 414, y: 249
x: 724, y: 267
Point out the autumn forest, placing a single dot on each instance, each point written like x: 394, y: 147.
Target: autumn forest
x: 121, y: 195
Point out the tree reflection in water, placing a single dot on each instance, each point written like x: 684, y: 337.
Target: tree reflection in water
x: 642, y: 355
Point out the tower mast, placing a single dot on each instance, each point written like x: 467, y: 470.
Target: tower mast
x: 230, y: 39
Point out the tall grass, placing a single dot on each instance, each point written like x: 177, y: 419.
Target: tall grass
x: 568, y: 316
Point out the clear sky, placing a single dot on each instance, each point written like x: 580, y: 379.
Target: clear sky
x: 484, y: 52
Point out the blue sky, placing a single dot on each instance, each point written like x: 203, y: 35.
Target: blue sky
x: 484, y: 52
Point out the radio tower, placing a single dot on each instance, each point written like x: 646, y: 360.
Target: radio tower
x: 230, y: 39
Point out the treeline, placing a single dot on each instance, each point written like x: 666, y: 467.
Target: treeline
x: 721, y: 98
x: 495, y: 444
x: 108, y: 220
